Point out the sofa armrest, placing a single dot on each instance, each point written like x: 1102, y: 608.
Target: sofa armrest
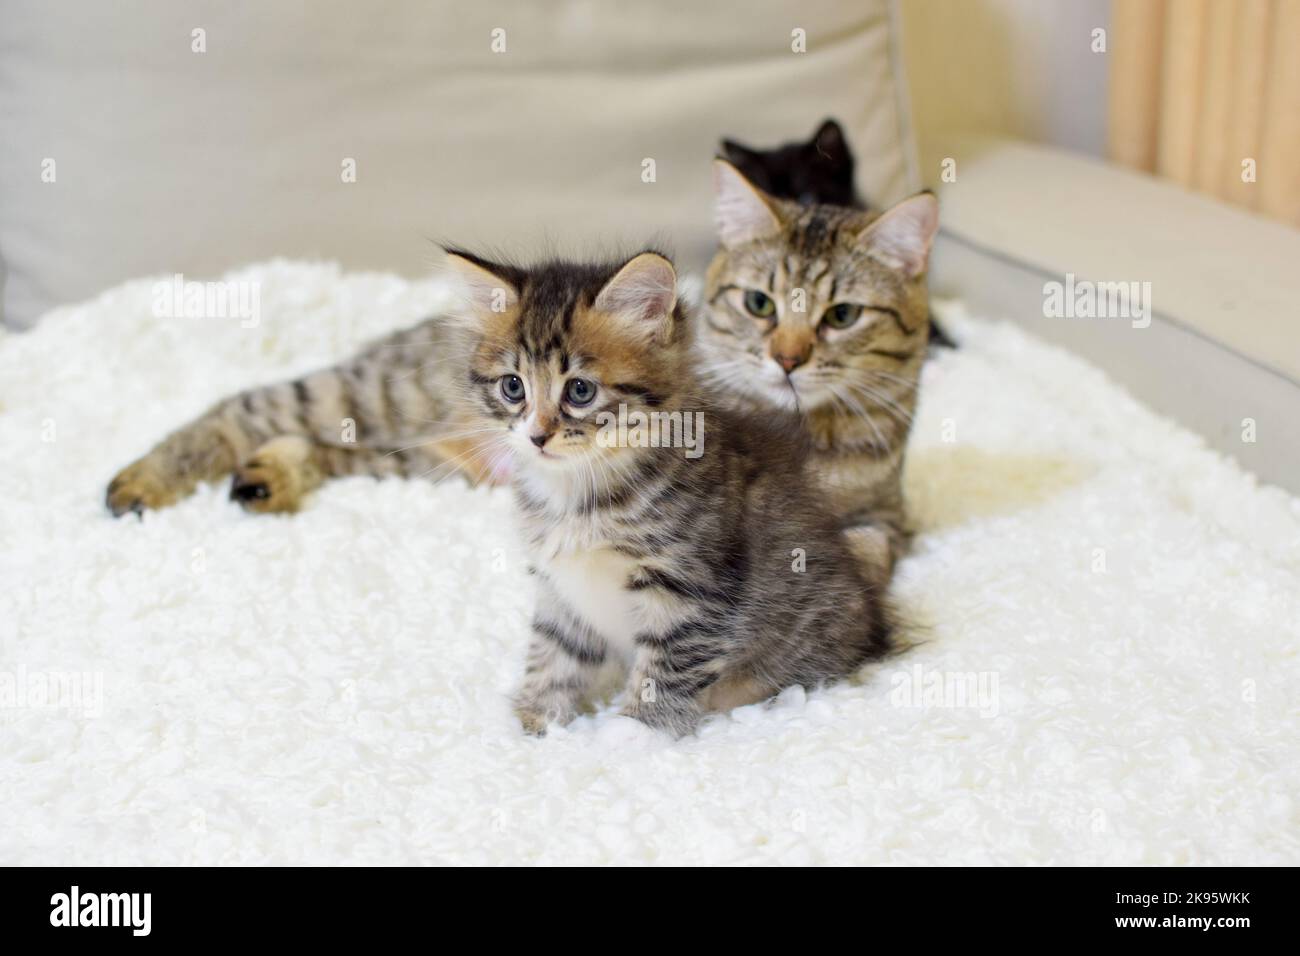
x: 1221, y: 349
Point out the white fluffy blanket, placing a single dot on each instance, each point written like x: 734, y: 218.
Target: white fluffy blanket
x: 1108, y: 613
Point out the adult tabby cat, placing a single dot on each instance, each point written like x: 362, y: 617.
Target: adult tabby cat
x: 822, y: 309
x: 816, y: 171
x: 714, y: 579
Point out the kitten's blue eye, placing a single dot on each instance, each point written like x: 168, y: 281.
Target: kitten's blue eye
x: 579, y: 392
x: 842, y: 315
x: 759, y: 304
x: 512, y: 388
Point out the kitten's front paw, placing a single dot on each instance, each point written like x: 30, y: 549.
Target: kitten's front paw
x: 272, y: 481
x: 138, y: 486
x: 534, y: 721
x: 536, y: 717
x: 676, y: 719
x: 262, y: 487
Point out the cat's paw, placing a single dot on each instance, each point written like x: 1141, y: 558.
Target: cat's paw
x: 138, y: 486
x: 677, y: 719
x: 274, y: 479
x: 265, y: 486
x: 534, y: 722
x: 535, y: 716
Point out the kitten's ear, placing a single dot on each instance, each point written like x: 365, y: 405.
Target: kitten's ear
x: 738, y: 154
x: 903, y: 235
x: 483, y: 289
x: 829, y: 140
x: 642, y: 293
x: 742, y: 211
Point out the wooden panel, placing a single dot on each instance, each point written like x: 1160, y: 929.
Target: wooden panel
x: 1216, y: 97
x: 1279, y: 160
x: 1135, y: 70
x: 1242, y: 136
x: 1182, y: 80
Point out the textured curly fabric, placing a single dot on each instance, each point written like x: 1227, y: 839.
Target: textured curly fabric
x: 1103, y: 666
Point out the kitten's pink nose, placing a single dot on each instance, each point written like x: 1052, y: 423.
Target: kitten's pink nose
x: 790, y: 362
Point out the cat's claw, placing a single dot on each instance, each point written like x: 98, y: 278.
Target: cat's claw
x: 120, y: 504
x: 136, y: 488
x: 534, y: 723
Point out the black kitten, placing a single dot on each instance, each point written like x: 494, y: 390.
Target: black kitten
x: 819, y: 170
x: 816, y: 172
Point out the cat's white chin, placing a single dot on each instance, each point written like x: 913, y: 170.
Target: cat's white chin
x: 769, y: 385
x: 547, y: 458
x: 812, y: 396
x: 782, y: 396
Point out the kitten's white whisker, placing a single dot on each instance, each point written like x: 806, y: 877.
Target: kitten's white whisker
x: 448, y: 436
x: 453, y: 462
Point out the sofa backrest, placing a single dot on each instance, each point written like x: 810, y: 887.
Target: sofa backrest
x: 190, y: 137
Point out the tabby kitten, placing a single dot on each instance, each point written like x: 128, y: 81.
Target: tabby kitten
x: 818, y: 171
x: 714, y: 579
x: 822, y: 309
x: 387, y: 411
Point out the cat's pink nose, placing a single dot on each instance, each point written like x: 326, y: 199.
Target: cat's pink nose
x: 790, y: 362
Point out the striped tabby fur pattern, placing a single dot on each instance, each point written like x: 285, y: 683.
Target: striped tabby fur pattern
x: 387, y: 411
x: 817, y: 171
x: 823, y: 310
x: 707, y: 582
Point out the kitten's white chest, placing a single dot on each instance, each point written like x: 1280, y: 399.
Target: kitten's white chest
x: 593, y: 582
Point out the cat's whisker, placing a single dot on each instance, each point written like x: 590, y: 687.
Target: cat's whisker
x: 908, y: 383
x: 441, y: 437
x: 881, y: 401
x: 855, y: 409
x: 386, y: 347
x: 454, y: 462
x: 624, y: 473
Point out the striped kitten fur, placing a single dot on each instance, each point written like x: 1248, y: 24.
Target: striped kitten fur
x: 814, y: 171
x: 823, y: 310
x: 387, y: 411
x: 708, y: 581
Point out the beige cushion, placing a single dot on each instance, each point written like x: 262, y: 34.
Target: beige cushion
x: 1222, y: 352
x: 1218, y: 269
x: 170, y: 161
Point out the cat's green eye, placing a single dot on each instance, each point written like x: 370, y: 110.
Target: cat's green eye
x: 512, y: 388
x: 842, y: 315
x: 759, y: 304
x: 579, y: 392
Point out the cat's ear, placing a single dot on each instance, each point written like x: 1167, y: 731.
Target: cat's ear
x: 481, y: 285
x: 738, y: 154
x: 829, y: 140
x: 642, y: 294
x: 903, y: 235
x: 742, y: 211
